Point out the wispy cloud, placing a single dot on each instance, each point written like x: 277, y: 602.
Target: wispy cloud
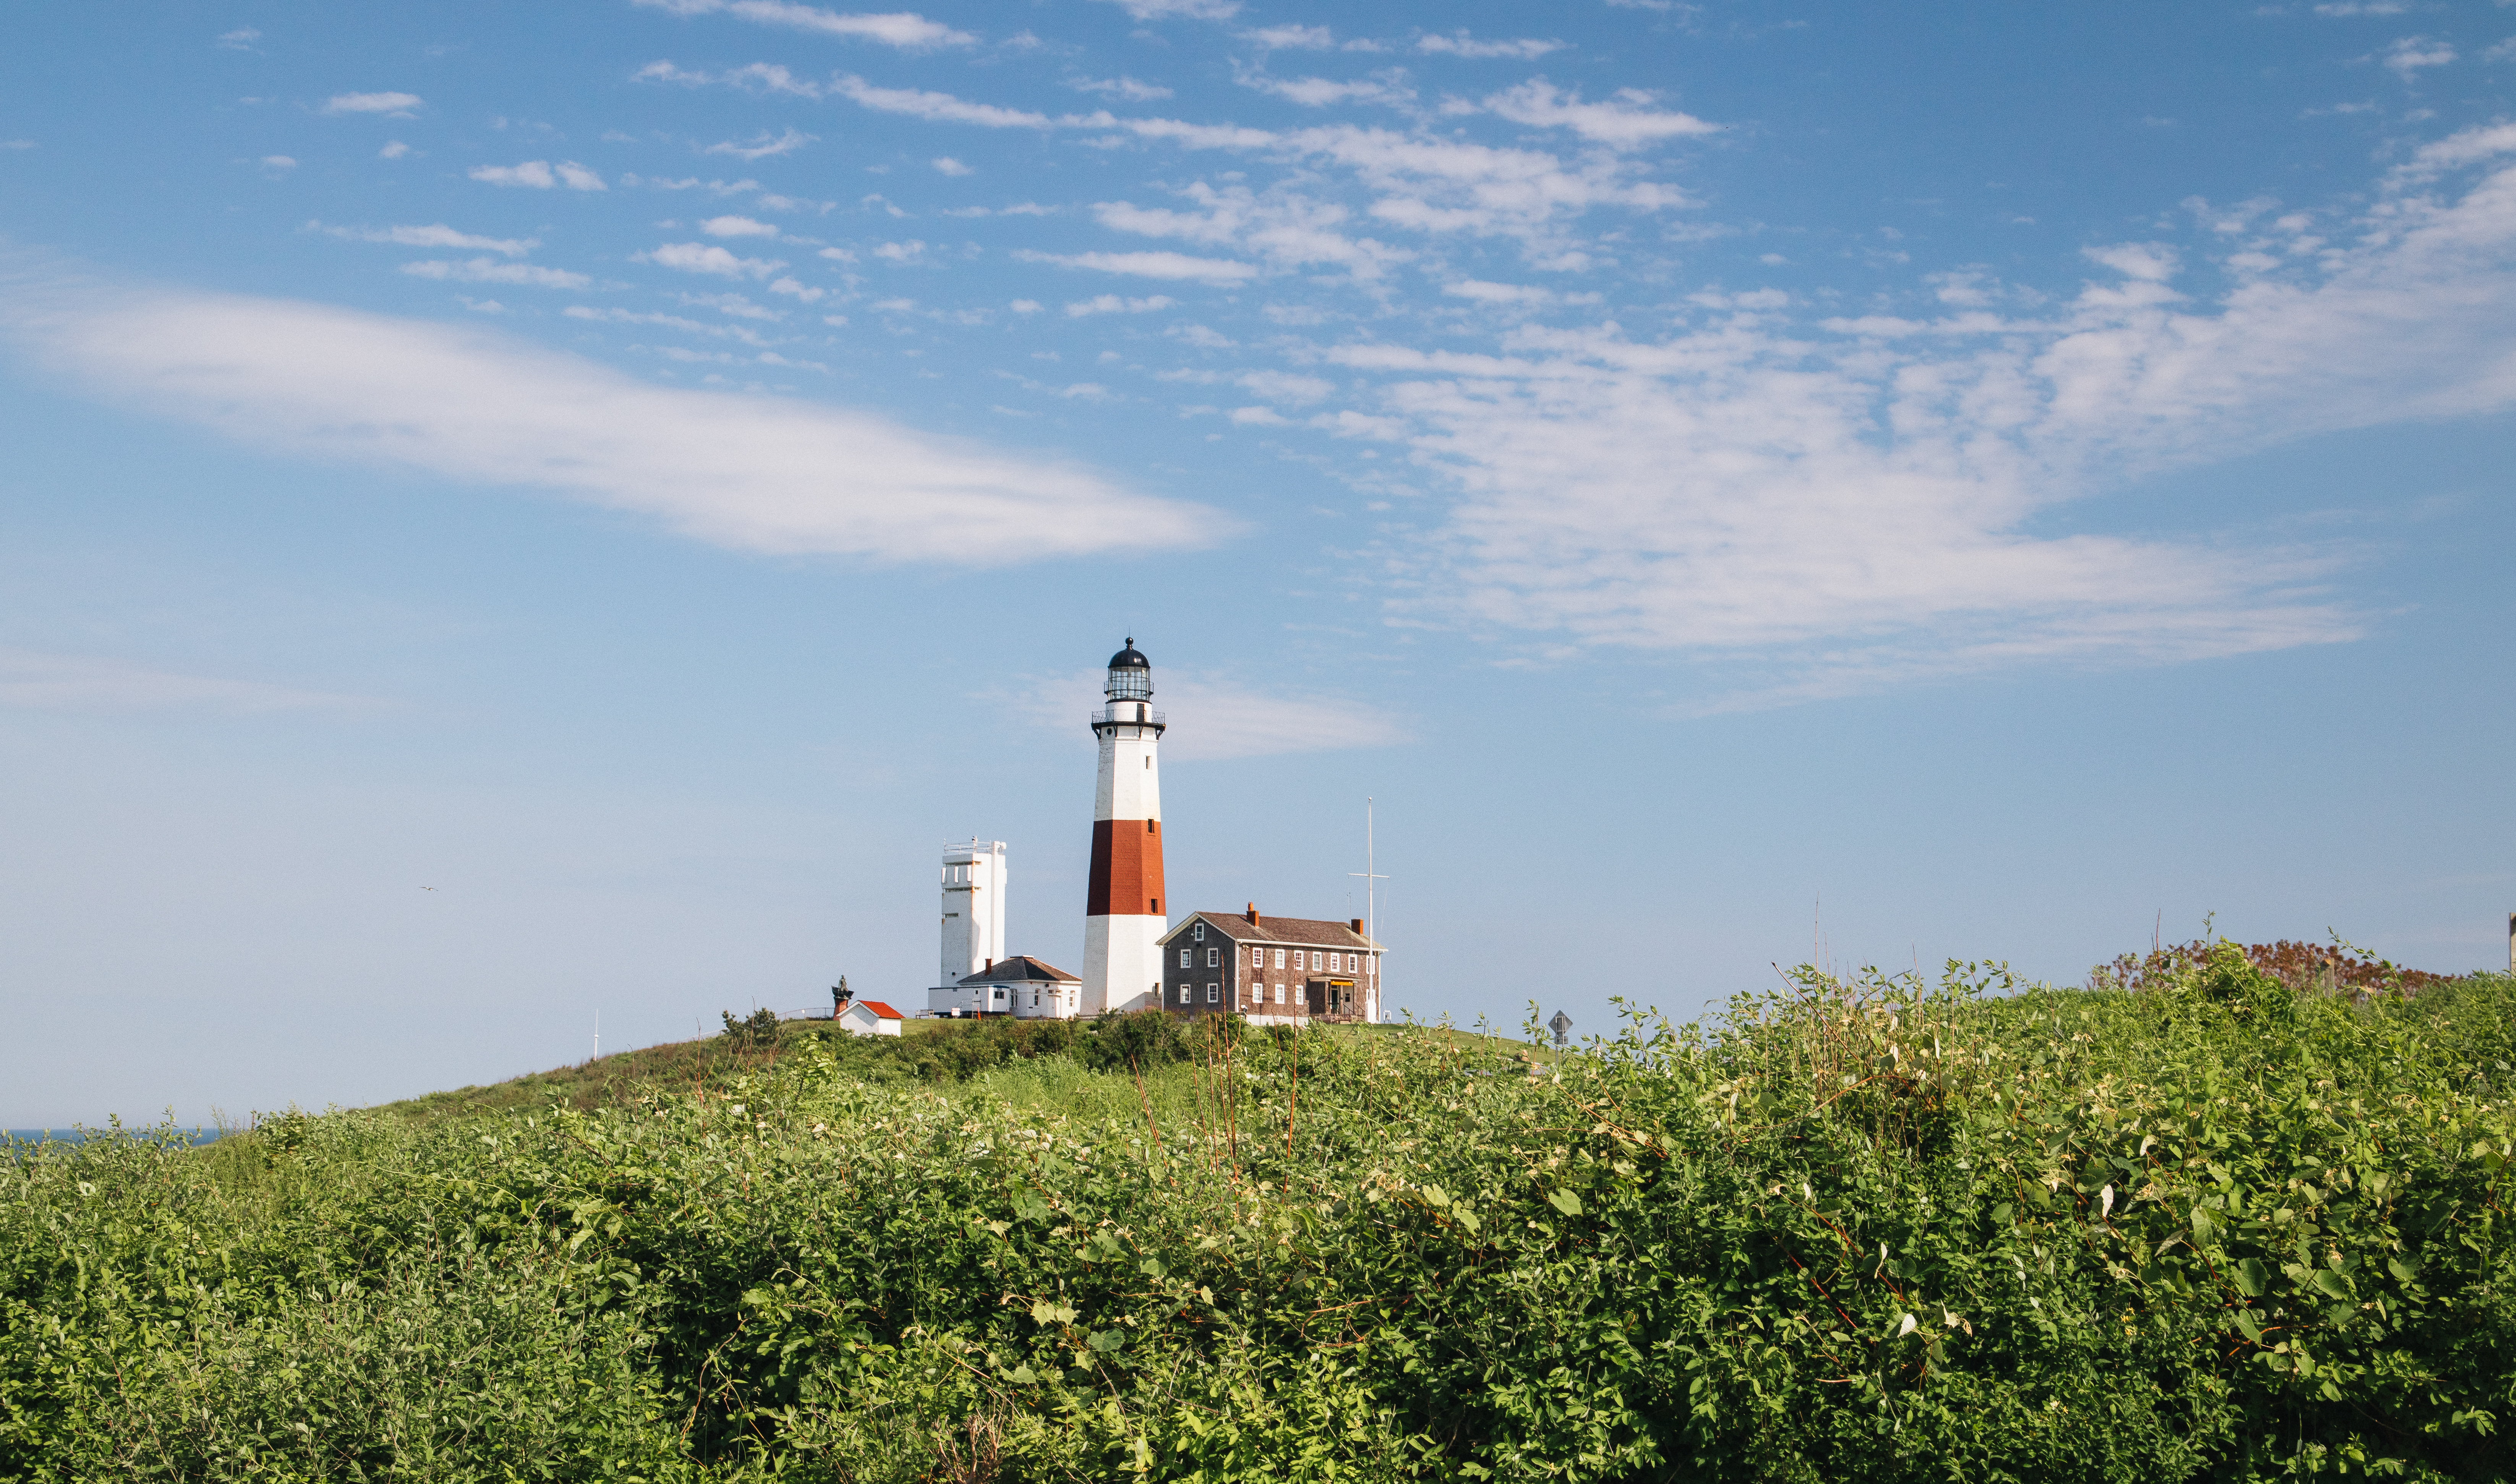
x: 708, y: 258
x: 1175, y: 266
x: 396, y: 105
x: 1217, y: 718
x: 1461, y: 44
x: 1180, y: 9
x: 241, y: 40
x: 1623, y: 123
x: 737, y: 227
x: 492, y: 271
x: 1112, y: 304
x: 436, y: 235
x: 30, y: 680
x: 2413, y: 54
x: 901, y: 28
x: 942, y: 107
x: 539, y: 175
x: 752, y: 473
x: 1838, y: 514
x: 763, y: 147
x: 1127, y: 88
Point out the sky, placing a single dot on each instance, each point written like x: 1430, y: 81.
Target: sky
x: 529, y: 524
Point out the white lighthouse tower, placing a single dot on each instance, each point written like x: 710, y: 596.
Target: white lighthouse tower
x: 974, y: 923
x: 1122, y: 924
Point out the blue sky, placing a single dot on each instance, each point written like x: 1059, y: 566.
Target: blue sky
x: 514, y: 515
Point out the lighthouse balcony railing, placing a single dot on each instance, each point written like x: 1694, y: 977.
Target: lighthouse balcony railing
x: 1128, y: 715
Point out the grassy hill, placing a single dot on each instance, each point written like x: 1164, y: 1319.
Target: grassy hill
x: 2211, y: 1220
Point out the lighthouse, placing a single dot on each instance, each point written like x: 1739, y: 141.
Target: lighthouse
x: 1122, y: 922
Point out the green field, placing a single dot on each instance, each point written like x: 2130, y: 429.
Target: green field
x: 2211, y: 1220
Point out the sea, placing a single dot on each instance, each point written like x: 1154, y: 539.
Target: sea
x: 81, y: 1135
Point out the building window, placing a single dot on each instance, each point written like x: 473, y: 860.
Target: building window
x: 1184, y: 953
x: 1183, y: 994
x: 1258, y: 957
x: 1214, y: 957
x: 1279, y: 994
x: 1279, y: 959
x: 1214, y: 994
x: 1198, y: 933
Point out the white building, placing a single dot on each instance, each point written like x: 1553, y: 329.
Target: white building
x: 1026, y: 988
x: 1122, y: 924
x: 868, y: 1017
x: 974, y: 923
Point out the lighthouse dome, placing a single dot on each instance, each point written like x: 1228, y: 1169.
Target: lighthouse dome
x: 1131, y: 674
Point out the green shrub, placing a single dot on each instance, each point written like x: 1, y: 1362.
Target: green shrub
x: 1873, y: 1230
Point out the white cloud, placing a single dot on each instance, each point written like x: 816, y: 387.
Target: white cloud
x: 277, y: 162
x: 1112, y: 304
x: 2148, y: 262
x: 394, y: 150
x: 40, y: 682
x: 762, y: 147
x: 1388, y: 87
x: 438, y: 234
x: 1120, y: 87
x: 900, y: 252
x: 1834, y: 515
x: 17, y: 143
x: 492, y: 271
x: 947, y: 165
x: 737, y: 227
x: 2409, y: 55
x: 1485, y: 292
x: 1624, y: 122
x: 1258, y: 417
x: 1025, y: 306
x: 539, y: 175
x: 241, y: 40
x: 1290, y: 38
x: 2364, y: 8
x: 753, y: 473
x: 396, y: 104
x: 1290, y: 228
x: 942, y: 107
x: 1461, y: 44
x: 1150, y: 265
x: 1284, y: 386
x: 1215, y: 718
x: 708, y: 258
x: 903, y: 29
x: 1180, y: 9
x: 795, y: 288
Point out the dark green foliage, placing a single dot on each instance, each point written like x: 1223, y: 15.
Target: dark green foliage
x: 757, y: 1030
x: 1853, y: 1232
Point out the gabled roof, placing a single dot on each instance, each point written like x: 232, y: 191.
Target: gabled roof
x: 1310, y: 932
x: 880, y: 1010
x: 1022, y: 969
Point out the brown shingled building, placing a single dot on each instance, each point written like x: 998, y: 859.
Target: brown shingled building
x: 1270, y: 969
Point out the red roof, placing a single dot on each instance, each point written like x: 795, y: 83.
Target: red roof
x: 880, y: 1010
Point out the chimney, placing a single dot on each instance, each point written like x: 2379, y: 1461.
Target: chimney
x: 1253, y: 915
x: 1357, y: 924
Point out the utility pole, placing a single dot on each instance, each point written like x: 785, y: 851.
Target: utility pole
x: 1371, y: 879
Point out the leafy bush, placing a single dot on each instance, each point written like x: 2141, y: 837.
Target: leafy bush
x: 1874, y: 1230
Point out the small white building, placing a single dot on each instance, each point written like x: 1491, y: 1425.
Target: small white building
x: 868, y: 1017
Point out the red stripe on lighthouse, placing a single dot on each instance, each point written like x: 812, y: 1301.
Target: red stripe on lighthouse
x: 1126, y: 869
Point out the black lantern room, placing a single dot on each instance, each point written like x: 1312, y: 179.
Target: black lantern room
x: 1131, y: 675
